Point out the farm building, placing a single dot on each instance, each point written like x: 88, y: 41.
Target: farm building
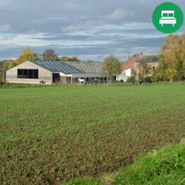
x: 128, y: 68
x: 152, y: 62
x: 49, y: 72
x: 132, y: 66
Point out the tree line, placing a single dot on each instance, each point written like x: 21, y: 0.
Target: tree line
x: 171, y: 65
x: 28, y: 54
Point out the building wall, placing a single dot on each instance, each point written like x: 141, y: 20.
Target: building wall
x: 63, y: 79
x: 11, y: 74
x: 125, y: 75
x: 151, y: 65
x: 68, y: 80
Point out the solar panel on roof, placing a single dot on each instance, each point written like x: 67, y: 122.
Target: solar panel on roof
x: 56, y: 66
x: 155, y: 59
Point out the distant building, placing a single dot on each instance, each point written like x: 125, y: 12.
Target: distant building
x: 151, y: 60
x: 49, y: 72
x: 128, y: 68
x: 131, y: 68
x: 125, y: 75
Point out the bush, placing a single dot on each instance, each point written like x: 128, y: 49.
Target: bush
x: 158, y: 168
x: 131, y: 80
x: 17, y: 85
x: 121, y: 81
x: 147, y: 80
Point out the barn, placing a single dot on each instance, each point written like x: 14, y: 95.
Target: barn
x: 50, y: 72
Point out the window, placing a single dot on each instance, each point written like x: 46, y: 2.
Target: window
x: 19, y: 73
x: 31, y: 73
x: 36, y: 74
x: 153, y: 68
x: 28, y: 73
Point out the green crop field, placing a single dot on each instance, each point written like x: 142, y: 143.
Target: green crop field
x: 51, y: 134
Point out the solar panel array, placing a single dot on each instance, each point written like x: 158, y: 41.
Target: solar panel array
x: 57, y: 66
x: 155, y: 59
x: 88, y: 67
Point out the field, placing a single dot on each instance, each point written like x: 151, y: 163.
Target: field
x: 51, y: 134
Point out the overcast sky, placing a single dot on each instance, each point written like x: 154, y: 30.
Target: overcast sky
x: 88, y: 29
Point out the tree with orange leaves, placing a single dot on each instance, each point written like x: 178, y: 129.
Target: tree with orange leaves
x: 172, y: 58
x: 27, y: 54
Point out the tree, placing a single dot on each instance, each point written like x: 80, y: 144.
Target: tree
x: 74, y: 59
x: 13, y: 64
x: 144, y: 69
x: 180, y: 70
x: 27, y: 54
x: 182, y: 54
x: 171, y: 56
x: 4, y: 66
x: 64, y: 58
x: 170, y: 51
x: 112, y: 66
x: 1, y: 64
x: 8, y: 64
x: 182, y: 47
x: 50, y: 55
x: 1, y: 77
x: 161, y: 74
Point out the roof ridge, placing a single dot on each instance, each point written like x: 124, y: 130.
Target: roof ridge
x: 148, y: 54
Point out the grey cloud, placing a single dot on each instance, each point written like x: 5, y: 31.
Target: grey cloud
x: 120, y: 14
x: 83, y: 28
x: 5, y: 28
x: 84, y: 25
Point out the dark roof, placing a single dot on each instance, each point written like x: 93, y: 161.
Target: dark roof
x: 87, y: 67
x: 57, y: 66
x: 147, y: 58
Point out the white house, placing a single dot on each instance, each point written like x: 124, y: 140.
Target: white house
x: 125, y: 75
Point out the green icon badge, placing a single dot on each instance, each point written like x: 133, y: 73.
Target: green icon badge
x: 167, y: 17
